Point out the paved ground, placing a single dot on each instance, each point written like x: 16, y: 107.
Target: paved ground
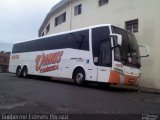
x: 36, y: 95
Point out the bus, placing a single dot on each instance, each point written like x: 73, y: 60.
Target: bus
x: 101, y: 53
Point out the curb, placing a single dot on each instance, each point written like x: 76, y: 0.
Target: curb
x: 148, y: 90
x: 139, y: 89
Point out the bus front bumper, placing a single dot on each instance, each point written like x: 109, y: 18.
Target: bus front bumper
x: 119, y: 78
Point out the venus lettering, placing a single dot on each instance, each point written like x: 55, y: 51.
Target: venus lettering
x: 47, y: 62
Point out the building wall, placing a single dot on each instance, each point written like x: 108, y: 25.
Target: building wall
x: 4, y: 61
x: 0, y: 69
x: 117, y: 12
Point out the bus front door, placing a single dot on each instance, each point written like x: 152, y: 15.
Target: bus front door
x: 104, y: 61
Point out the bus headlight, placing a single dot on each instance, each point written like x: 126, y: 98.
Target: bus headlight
x: 119, y: 70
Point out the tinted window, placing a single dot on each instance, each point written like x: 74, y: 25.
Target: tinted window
x: 60, y: 19
x: 80, y: 40
x: 132, y: 25
x: 48, y: 28
x: 101, y: 45
x: 102, y: 2
x: 128, y: 49
x: 76, y: 40
x: 77, y: 9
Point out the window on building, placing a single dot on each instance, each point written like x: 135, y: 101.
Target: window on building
x: 78, y: 9
x: 132, y: 25
x: 60, y: 19
x: 102, y: 2
x: 42, y: 34
x: 48, y: 28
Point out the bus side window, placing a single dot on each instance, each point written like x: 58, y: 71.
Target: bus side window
x: 80, y: 40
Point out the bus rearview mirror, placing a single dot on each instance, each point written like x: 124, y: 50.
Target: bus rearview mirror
x: 144, y: 51
x: 117, y: 38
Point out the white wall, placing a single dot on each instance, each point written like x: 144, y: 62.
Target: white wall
x: 117, y: 12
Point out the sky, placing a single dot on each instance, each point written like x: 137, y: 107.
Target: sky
x: 20, y: 20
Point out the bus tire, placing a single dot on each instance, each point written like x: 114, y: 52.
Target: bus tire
x: 79, y: 77
x: 19, y: 72
x: 25, y: 72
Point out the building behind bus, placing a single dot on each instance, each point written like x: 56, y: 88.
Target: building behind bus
x: 137, y: 16
x: 4, y: 61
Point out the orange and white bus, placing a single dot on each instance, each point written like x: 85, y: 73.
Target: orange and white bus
x: 101, y: 53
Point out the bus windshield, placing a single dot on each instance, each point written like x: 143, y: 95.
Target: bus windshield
x: 128, y: 53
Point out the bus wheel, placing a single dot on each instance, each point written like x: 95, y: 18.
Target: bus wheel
x: 18, y: 72
x: 25, y: 72
x: 79, y: 77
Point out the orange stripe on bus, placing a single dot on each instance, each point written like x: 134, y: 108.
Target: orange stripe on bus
x: 114, y: 77
x: 130, y: 80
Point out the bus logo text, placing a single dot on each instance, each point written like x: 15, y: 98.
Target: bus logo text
x: 15, y: 57
x: 48, y: 62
